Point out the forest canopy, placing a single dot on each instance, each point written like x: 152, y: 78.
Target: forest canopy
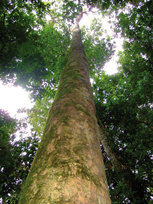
x: 33, y: 53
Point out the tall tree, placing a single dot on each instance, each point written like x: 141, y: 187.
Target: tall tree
x: 68, y: 167
x: 123, y: 101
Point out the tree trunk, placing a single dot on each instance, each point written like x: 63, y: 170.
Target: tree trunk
x: 68, y: 166
x: 103, y: 137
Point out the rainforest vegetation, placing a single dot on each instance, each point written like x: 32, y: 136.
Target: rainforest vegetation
x: 33, y: 54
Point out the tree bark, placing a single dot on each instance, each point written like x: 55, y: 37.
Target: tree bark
x: 68, y: 166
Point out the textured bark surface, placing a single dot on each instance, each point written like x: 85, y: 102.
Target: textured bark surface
x: 68, y: 166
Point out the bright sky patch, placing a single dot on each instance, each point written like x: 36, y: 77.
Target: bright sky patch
x: 13, y: 98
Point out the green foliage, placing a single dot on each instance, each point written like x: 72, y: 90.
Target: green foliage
x: 15, y: 167
x: 38, y: 114
x: 98, y: 50
x: 7, y: 127
x: 20, y: 22
x: 42, y: 59
x: 108, y: 5
x: 124, y: 104
x: 54, y: 46
x: 17, y: 23
x: 129, y: 124
x: 15, y: 158
x: 137, y: 25
x: 70, y: 9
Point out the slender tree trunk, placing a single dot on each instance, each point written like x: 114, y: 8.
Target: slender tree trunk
x: 103, y: 136
x: 68, y: 166
x: 133, y: 185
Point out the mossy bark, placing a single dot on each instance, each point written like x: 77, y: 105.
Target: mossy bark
x: 68, y: 165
